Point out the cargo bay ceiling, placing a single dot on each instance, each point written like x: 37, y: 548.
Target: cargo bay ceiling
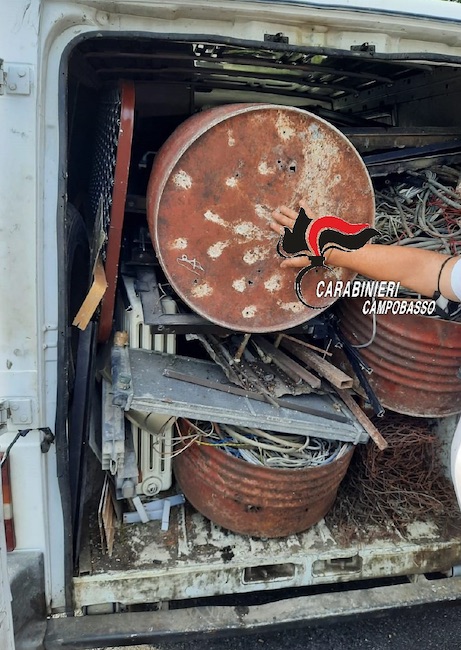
x: 216, y: 71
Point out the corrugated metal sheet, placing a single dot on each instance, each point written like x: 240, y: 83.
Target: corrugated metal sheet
x: 415, y: 359
x: 213, y: 187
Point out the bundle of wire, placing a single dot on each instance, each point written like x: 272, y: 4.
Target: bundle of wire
x: 386, y: 491
x: 423, y: 213
x: 269, y: 449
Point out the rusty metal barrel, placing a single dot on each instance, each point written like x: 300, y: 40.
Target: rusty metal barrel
x: 416, y: 360
x: 212, y: 190
x: 255, y: 500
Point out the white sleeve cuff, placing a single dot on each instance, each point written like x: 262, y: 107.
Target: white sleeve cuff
x: 456, y: 279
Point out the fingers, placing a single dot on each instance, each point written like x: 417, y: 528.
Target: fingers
x: 286, y: 216
x: 283, y: 217
x: 307, y: 210
x: 295, y: 262
x: 285, y: 213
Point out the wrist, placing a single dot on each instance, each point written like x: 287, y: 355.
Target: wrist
x: 329, y: 254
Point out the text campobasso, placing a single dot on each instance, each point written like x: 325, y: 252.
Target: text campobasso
x: 376, y: 292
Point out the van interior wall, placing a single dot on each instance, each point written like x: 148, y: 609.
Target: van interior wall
x: 435, y: 110
x: 434, y: 104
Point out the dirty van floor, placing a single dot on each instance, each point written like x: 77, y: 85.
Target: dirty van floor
x: 193, y: 537
x: 392, y: 518
x: 196, y: 558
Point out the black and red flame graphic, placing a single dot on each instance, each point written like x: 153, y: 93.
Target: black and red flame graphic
x: 312, y: 238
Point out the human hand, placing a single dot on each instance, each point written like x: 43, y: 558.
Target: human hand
x: 285, y: 218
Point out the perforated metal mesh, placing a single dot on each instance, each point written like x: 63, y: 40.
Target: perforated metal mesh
x: 104, y: 158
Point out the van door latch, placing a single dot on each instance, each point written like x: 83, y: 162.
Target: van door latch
x: 365, y: 47
x: 14, y: 78
x: 4, y: 412
x: 276, y: 38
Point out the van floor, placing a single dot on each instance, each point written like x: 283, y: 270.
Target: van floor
x: 195, y: 558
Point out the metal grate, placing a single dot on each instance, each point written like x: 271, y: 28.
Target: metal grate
x: 104, y: 159
x: 108, y: 188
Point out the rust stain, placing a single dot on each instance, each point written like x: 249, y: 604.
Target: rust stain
x: 219, y: 177
x: 183, y: 180
x: 274, y: 283
x: 216, y: 249
x: 179, y: 244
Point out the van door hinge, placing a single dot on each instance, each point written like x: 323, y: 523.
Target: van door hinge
x: 18, y: 411
x: 14, y: 79
x: 4, y: 412
x: 2, y: 77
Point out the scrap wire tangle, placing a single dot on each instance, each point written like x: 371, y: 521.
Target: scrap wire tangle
x: 320, y: 235
x: 264, y: 448
x: 423, y: 214
x: 396, y: 486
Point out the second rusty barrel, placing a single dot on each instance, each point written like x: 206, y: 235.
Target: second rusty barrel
x: 415, y: 360
x: 256, y: 500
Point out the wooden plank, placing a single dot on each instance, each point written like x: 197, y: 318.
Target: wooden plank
x: 93, y: 298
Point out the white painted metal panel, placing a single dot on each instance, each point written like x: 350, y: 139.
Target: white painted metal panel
x: 35, y: 33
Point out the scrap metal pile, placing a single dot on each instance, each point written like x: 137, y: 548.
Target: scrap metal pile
x: 424, y: 211
x: 267, y: 369
x: 268, y: 398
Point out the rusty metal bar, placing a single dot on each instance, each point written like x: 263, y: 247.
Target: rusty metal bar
x: 117, y: 210
x: 304, y: 344
x: 288, y: 365
x: 366, y: 423
x: 241, y: 348
x: 331, y: 373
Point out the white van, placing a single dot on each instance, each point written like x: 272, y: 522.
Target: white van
x: 356, y: 64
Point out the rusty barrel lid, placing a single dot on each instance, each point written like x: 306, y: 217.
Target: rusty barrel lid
x: 212, y: 190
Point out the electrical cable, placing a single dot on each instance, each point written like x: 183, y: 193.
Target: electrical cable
x: 422, y: 213
x: 264, y: 448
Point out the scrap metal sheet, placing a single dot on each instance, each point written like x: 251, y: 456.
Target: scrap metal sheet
x: 153, y: 392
